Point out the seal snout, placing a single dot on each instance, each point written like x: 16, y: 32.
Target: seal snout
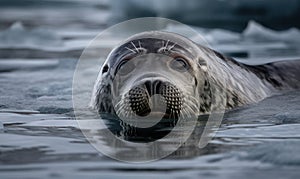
x: 155, y: 96
x: 153, y: 87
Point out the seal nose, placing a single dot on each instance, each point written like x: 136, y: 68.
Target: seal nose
x: 157, y: 96
x: 153, y: 87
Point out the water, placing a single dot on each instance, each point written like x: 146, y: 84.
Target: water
x: 39, y: 137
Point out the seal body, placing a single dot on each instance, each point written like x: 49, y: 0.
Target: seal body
x: 164, y: 73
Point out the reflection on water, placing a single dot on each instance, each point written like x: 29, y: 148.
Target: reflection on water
x: 245, y: 141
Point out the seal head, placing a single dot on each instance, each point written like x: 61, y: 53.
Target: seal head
x: 153, y: 74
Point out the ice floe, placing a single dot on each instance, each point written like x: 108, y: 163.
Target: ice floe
x: 17, y: 36
x: 257, y: 32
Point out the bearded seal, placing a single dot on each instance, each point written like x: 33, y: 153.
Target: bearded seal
x: 188, y: 76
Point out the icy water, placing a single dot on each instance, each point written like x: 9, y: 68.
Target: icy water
x: 40, y: 138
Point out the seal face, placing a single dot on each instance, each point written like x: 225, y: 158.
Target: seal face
x: 153, y: 72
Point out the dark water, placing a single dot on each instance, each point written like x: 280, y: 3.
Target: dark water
x: 40, y: 138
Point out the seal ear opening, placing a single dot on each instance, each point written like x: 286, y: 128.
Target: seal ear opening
x: 105, y: 69
x: 202, y: 64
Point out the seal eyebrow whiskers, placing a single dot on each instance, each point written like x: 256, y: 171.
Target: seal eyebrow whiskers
x: 170, y: 48
x: 137, y: 50
x: 130, y: 49
x: 165, y: 48
x: 167, y: 43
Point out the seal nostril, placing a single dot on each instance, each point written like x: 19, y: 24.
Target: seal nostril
x: 157, y: 86
x: 148, y: 86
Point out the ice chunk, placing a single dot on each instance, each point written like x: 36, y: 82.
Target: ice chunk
x: 19, y: 37
x: 41, y: 41
x: 223, y: 36
x: 257, y: 32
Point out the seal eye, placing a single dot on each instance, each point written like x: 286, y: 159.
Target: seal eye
x: 179, y: 64
x: 124, y: 67
x: 105, y: 69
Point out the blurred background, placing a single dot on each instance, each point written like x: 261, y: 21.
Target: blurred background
x: 228, y: 14
x: 65, y: 27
